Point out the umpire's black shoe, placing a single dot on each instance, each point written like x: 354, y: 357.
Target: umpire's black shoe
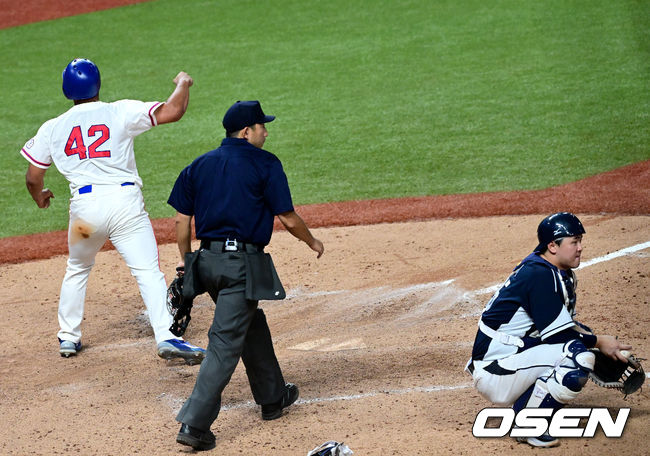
x: 273, y: 411
x: 196, y: 438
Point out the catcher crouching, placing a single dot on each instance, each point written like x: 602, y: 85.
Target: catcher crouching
x: 529, y: 351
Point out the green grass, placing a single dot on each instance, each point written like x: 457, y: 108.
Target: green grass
x: 373, y: 99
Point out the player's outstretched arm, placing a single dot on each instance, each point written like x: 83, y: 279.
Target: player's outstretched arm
x: 34, y: 179
x: 176, y: 105
x: 297, y: 227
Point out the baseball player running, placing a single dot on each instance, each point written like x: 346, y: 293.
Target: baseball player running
x: 529, y: 352
x: 92, y: 146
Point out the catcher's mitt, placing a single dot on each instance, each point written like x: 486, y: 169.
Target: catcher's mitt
x: 627, y: 377
x: 178, y: 306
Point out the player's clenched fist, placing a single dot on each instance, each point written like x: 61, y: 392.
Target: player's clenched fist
x: 183, y: 77
x: 44, y: 200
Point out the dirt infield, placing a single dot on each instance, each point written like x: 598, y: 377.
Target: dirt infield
x: 26, y: 11
x: 375, y: 334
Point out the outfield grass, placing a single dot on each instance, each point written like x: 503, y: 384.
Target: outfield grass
x: 373, y: 99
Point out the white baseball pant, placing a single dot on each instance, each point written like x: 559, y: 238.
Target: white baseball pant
x: 114, y: 212
x: 528, y: 366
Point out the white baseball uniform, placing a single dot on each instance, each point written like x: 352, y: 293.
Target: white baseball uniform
x: 92, y: 146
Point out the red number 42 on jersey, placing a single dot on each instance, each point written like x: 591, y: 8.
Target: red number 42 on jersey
x: 76, y: 146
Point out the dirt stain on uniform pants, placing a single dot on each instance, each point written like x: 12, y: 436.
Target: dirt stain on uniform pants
x: 79, y: 230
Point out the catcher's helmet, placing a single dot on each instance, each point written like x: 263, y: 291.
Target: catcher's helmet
x: 81, y: 80
x: 557, y: 226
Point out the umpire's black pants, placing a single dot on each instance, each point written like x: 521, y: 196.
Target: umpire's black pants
x: 239, y: 330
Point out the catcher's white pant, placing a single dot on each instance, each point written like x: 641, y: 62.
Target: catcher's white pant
x: 117, y: 213
x: 528, y: 366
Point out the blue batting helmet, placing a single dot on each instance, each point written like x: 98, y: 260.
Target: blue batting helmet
x: 81, y: 80
x: 557, y: 226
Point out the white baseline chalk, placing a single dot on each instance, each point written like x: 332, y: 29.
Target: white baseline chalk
x: 352, y: 397
x: 618, y: 253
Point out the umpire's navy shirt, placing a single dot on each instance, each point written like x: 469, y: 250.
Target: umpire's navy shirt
x: 233, y: 192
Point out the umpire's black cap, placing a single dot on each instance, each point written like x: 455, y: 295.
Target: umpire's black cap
x: 244, y: 114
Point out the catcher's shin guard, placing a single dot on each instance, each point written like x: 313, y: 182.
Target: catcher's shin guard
x: 537, y: 396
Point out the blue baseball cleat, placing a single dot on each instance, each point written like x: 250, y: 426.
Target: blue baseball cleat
x: 67, y: 348
x: 177, y: 348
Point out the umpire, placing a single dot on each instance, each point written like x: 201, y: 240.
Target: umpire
x: 234, y: 192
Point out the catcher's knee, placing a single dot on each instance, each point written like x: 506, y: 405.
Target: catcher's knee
x: 582, y: 358
x: 564, y: 383
x: 568, y: 379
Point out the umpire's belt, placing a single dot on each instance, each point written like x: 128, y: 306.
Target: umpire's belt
x: 89, y: 188
x: 231, y: 245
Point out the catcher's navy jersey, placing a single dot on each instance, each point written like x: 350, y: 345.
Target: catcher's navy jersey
x: 241, y: 204
x: 536, y: 302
